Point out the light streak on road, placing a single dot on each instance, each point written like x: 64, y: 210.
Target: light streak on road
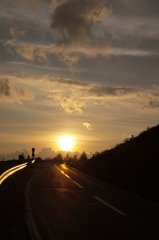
x: 13, y: 170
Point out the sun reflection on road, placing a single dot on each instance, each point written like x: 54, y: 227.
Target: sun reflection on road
x: 64, y: 166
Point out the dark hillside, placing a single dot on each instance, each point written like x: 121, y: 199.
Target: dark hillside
x: 133, y: 165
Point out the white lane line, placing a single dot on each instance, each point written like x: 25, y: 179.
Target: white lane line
x: 34, y: 234
x: 108, y: 205
x: 77, y: 184
x: 69, y: 177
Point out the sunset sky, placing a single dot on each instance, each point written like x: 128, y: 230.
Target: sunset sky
x: 87, y: 69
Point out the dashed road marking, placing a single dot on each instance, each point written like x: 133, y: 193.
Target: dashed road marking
x: 110, y: 206
x: 69, y: 177
x: 78, y: 184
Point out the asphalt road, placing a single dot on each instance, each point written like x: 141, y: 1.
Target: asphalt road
x: 68, y: 204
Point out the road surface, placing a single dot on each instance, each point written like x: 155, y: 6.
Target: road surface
x: 68, y: 204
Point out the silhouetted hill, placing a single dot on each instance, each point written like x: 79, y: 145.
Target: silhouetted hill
x: 133, y: 165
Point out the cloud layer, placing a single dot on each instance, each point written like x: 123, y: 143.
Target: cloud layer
x: 9, y: 94
x: 32, y: 2
x: 27, y: 51
x: 72, y: 95
x: 88, y: 126
x: 150, y: 105
x: 68, y: 103
x: 80, y: 95
x: 14, y: 155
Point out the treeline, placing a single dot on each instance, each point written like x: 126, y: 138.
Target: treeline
x: 68, y: 158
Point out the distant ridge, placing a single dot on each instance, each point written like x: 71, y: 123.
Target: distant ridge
x: 133, y: 165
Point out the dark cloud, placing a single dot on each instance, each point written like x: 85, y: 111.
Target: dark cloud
x: 74, y: 22
x: 66, y: 81
x: 151, y: 105
x: 5, y: 89
x: 9, y: 94
x: 153, y: 93
x: 112, y: 91
x: 75, y: 19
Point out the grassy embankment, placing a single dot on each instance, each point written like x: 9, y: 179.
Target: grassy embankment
x: 132, y: 165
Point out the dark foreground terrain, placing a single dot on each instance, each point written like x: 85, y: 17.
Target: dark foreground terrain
x: 69, y: 204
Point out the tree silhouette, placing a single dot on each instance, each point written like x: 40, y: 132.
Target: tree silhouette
x: 67, y: 157
x: 59, y: 157
x: 83, y: 157
x: 74, y: 157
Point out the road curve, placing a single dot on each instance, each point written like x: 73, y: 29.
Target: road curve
x: 68, y: 204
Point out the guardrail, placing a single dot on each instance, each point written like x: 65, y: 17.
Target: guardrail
x: 12, y: 170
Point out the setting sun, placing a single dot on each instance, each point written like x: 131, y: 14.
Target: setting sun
x: 66, y: 143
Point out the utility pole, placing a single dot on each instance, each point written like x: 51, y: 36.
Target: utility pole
x: 33, y: 154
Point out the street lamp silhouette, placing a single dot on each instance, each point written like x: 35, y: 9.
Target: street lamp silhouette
x: 33, y: 150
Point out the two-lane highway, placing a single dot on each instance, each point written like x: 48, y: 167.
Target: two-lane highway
x: 68, y: 204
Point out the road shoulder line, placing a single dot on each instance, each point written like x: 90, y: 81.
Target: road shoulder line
x: 34, y: 234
